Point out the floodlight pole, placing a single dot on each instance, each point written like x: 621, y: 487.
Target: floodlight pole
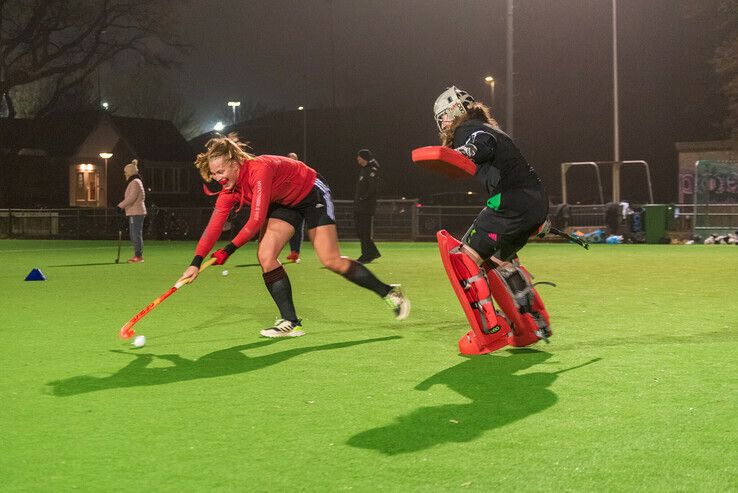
x: 234, y: 105
x: 304, y: 132
x: 615, y: 108
x: 509, y: 77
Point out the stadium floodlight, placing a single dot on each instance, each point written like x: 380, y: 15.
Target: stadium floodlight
x: 218, y: 126
x: 234, y: 105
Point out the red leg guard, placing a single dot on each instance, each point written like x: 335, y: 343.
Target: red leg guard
x: 529, y: 327
x: 488, y: 332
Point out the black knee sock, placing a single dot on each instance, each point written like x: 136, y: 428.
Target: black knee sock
x: 358, y: 274
x: 280, y: 288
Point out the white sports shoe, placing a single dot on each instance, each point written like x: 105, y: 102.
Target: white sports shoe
x: 396, y: 300
x: 283, y: 328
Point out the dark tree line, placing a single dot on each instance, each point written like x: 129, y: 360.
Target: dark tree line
x: 726, y: 62
x: 60, y: 44
x: 52, y: 50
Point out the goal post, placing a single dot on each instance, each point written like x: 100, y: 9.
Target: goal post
x: 715, y: 197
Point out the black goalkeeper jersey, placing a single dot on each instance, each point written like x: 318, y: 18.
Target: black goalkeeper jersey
x: 501, y: 167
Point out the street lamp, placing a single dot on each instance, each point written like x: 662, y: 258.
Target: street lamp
x: 106, y: 156
x: 304, y: 132
x: 509, y: 90
x: 491, y: 81
x: 234, y: 105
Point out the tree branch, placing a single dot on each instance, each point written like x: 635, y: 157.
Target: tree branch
x: 65, y: 40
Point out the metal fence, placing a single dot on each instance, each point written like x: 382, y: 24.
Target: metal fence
x: 681, y: 219
x: 395, y: 220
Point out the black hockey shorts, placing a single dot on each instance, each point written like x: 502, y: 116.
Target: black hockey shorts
x: 503, y: 231
x: 316, y: 209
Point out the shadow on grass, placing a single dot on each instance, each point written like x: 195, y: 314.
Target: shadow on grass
x: 229, y: 361
x: 498, y: 397
x: 215, y: 321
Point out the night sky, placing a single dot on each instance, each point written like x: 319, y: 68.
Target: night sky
x: 286, y: 53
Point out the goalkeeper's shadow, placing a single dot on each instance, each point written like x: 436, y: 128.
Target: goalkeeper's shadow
x: 224, y: 362
x: 498, y: 396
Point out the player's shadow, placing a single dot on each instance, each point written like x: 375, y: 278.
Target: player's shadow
x: 498, y: 397
x: 214, y: 321
x: 220, y: 363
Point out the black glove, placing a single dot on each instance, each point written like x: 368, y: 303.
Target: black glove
x: 468, y: 150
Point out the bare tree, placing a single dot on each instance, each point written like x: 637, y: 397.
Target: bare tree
x: 63, y: 42
x: 726, y: 63
x: 151, y: 94
x: 721, y: 18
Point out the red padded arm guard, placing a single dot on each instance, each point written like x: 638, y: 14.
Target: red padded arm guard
x: 444, y: 160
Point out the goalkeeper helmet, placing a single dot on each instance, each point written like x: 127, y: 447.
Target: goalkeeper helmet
x: 451, y: 103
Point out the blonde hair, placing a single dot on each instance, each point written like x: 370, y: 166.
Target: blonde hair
x: 475, y: 111
x: 131, y: 169
x: 227, y: 146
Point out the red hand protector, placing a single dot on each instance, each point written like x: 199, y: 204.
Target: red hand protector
x: 220, y: 256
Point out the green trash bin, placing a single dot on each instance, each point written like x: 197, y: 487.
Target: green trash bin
x: 656, y: 222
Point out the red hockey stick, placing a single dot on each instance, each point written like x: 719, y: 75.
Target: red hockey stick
x: 126, y: 332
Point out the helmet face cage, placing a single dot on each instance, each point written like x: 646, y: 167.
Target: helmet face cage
x: 452, y: 102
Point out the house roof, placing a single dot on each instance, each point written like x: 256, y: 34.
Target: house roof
x: 62, y: 134
x: 153, y: 140
x: 712, y: 145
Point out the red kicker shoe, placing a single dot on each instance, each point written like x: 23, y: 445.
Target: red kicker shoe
x: 293, y: 257
x: 135, y: 260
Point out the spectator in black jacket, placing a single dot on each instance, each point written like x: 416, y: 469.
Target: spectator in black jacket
x: 365, y: 203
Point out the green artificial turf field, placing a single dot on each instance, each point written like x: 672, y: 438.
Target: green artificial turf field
x: 636, y: 392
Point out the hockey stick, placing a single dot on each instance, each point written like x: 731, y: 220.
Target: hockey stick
x: 572, y: 238
x: 126, y: 332
x: 120, y: 236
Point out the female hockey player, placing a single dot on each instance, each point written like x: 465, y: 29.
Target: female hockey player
x: 517, y: 205
x: 484, y: 263
x: 282, y: 192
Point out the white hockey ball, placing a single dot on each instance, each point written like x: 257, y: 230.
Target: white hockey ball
x: 139, y: 341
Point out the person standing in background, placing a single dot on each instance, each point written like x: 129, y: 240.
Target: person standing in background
x: 135, y: 209
x: 365, y: 204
